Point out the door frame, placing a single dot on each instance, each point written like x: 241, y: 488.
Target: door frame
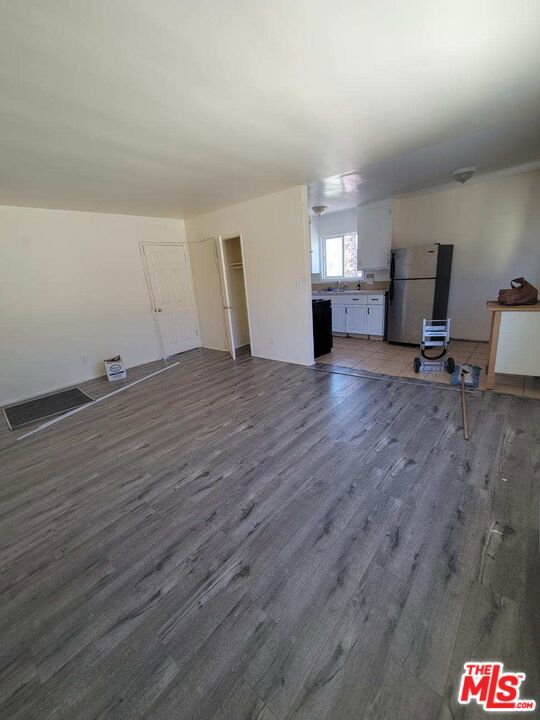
x: 152, y: 301
x: 226, y: 298
x: 222, y: 270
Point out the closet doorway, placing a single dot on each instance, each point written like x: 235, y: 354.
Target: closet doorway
x: 233, y: 286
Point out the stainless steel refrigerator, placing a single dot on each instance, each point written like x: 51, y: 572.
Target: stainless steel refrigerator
x: 419, y: 286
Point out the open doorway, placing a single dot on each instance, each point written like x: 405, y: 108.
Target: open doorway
x: 235, y: 308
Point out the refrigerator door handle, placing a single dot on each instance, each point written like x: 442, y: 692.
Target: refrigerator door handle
x: 392, y: 267
x: 391, y: 292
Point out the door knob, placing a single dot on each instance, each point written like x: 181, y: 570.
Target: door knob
x: 159, y: 310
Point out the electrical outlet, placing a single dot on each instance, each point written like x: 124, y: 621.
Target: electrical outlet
x: 84, y: 359
x: 271, y: 340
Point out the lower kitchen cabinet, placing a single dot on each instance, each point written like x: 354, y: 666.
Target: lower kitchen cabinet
x: 356, y: 319
x: 361, y: 314
x: 364, y: 320
x: 338, y: 318
x: 375, y: 320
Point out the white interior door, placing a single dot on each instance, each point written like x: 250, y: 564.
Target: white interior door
x: 226, y: 295
x: 171, y: 295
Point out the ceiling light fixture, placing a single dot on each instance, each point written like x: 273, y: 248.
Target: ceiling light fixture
x: 463, y: 174
x: 319, y: 209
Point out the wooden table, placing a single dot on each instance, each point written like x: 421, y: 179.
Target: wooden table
x: 532, y: 333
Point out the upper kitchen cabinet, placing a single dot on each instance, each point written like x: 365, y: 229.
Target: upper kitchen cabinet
x: 374, y: 235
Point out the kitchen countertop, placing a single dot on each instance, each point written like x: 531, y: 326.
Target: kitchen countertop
x: 494, y: 306
x: 348, y: 292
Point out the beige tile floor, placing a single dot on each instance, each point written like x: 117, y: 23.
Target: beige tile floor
x: 396, y: 360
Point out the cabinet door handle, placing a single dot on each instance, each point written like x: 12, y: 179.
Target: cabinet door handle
x: 368, y: 311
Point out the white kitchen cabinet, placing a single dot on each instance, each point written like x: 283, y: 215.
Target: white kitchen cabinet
x: 357, y: 319
x: 358, y: 313
x: 374, y: 235
x: 375, y: 320
x: 338, y: 318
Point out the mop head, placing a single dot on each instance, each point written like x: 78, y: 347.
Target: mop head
x: 471, y: 375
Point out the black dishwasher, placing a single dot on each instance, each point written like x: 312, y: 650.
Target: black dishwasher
x: 322, y: 326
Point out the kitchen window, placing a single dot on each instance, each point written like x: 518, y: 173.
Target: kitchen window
x: 340, y: 257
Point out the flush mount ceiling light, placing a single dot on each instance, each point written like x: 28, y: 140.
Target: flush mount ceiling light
x: 463, y: 174
x: 319, y: 209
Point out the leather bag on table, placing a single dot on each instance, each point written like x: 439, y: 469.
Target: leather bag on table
x: 521, y: 293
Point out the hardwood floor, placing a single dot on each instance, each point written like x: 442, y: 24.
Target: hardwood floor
x: 257, y: 540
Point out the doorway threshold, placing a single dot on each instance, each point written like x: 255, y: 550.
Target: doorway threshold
x: 366, y: 374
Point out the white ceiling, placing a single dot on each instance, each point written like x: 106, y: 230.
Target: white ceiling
x: 170, y: 107
x: 493, y: 152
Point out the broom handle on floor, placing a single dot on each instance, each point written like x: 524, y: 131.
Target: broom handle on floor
x: 464, y: 409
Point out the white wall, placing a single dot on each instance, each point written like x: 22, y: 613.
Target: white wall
x: 495, y: 229
x: 71, y: 287
x: 518, y: 349
x: 207, y: 287
x: 315, y: 245
x: 275, y: 238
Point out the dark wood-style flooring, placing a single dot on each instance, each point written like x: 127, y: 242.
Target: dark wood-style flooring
x: 257, y: 540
